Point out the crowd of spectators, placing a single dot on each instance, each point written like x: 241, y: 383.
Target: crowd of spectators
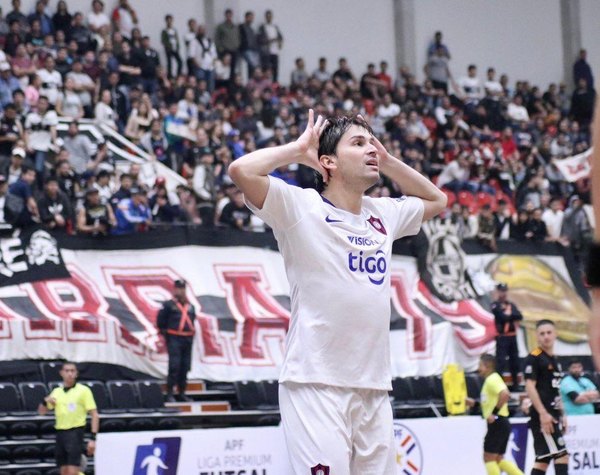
x: 492, y: 143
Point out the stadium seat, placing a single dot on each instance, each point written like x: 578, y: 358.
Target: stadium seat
x: 421, y: 388
x: 51, y: 370
x: 473, y: 385
x: 48, y: 453
x: 249, y: 395
x: 123, y: 396
x: 4, y: 455
x: 32, y: 394
x: 451, y: 197
x: 486, y: 199
x: 466, y: 198
x: 151, y: 396
x: 9, y: 399
x: 26, y: 454
x: 271, y: 392
x: 401, y: 392
x: 52, y: 385
x: 100, y: 395
x: 437, y: 387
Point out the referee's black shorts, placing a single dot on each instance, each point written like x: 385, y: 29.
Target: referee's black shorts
x: 497, y: 436
x: 69, y: 446
x: 547, y: 446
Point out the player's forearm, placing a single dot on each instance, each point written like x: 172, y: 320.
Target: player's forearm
x: 264, y: 161
x: 95, y: 424
x: 410, y: 181
x: 534, y: 396
x: 596, y: 168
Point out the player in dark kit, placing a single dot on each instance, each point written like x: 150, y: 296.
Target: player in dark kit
x: 542, y: 375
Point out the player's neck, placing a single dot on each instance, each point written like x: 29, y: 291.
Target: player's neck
x: 344, y: 198
x: 549, y: 351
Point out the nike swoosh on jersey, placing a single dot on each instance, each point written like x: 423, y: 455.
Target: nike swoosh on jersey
x: 329, y: 220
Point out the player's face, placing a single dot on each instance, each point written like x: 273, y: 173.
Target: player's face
x: 546, y: 336
x: 357, y: 162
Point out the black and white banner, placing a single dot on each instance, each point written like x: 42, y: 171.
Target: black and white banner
x: 105, y: 311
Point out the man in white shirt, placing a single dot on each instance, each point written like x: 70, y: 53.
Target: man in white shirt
x: 271, y: 41
x: 40, y: 134
x: 336, y: 248
x: 387, y: 109
x: 493, y: 88
x: 51, y: 80
x: 553, y: 217
x: 471, y: 88
x: 204, y: 55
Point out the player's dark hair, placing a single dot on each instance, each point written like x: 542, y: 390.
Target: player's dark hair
x: 488, y: 360
x: 68, y: 363
x: 331, y: 136
x: 544, y: 321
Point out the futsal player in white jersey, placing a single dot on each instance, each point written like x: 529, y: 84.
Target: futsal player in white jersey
x: 336, y: 247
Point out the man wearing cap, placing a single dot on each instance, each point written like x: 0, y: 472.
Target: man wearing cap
x: 175, y: 321
x: 12, y: 170
x: 133, y: 214
x: 507, y: 317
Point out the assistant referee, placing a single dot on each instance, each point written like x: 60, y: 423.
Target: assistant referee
x: 72, y: 402
x: 494, y: 409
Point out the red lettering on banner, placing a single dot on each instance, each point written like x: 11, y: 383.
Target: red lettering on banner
x: 256, y: 311
x: 132, y: 289
x: 418, y: 325
x: 481, y: 329
x: 76, y: 301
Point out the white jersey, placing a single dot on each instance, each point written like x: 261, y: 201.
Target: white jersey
x: 338, y: 267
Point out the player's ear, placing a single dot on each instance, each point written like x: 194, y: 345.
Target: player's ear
x: 328, y: 162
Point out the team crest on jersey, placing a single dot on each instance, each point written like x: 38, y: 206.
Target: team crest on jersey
x: 377, y: 224
x: 409, y: 455
x: 319, y: 470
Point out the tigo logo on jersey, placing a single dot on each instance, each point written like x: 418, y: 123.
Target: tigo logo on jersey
x: 160, y: 457
x: 374, y: 266
x: 409, y: 456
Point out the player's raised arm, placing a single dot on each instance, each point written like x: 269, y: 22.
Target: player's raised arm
x: 593, y: 267
x: 250, y: 172
x: 411, y: 182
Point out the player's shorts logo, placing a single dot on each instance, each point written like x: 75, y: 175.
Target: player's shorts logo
x: 319, y: 470
x: 409, y: 456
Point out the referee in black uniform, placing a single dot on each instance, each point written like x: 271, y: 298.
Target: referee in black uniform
x: 71, y: 402
x: 175, y: 321
x: 507, y: 317
x: 548, y: 422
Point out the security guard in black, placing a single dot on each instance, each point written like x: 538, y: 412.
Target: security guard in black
x: 506, y: 317
x: 175, y: 321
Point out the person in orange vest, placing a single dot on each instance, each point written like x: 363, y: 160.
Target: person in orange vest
x: 175, y: 320
x: 507, y: 317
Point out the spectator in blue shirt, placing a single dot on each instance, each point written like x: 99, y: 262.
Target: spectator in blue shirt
x: 8, y: 85
x: 23, y: 188
x: 577, y: 391
x: 133, y: 214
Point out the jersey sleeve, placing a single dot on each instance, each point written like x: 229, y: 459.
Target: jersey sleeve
x: 531, y: 368
x: 404, y: 215
x: 284, y: 206
x: 88, y: 399
x: 53, y: 394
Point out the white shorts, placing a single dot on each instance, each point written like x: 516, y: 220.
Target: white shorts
x: 345, y: 431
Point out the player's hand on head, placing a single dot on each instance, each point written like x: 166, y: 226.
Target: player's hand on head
x: 308, y: 143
